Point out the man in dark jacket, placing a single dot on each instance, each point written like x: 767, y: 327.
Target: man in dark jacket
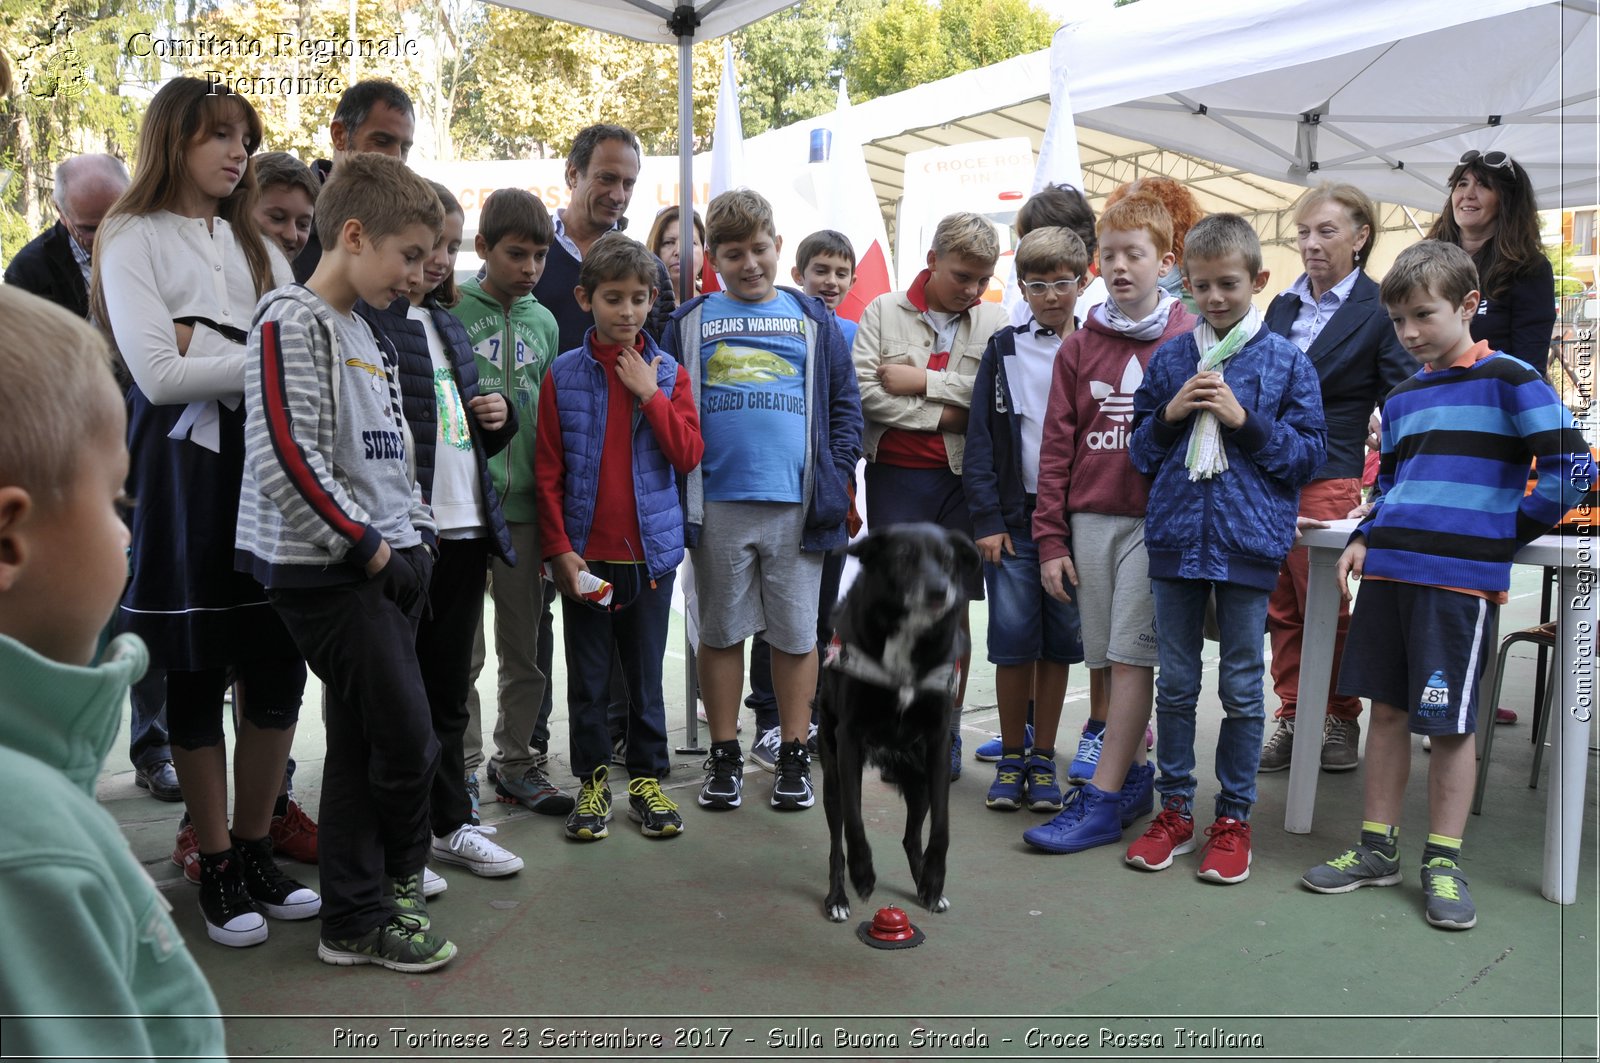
x: 372, y: 115
x: 55, y: 265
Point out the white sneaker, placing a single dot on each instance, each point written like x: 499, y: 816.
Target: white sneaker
x: 764, y: 754
x: 433, y: 883
x: 471, y: 848
x: 700, y: 714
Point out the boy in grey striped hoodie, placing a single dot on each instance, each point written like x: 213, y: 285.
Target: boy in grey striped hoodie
x: 332, y: 522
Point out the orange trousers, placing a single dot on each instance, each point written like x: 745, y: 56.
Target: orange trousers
x: 1330, y: 499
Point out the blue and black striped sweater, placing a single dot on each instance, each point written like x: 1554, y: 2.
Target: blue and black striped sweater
x: 1453, y: 507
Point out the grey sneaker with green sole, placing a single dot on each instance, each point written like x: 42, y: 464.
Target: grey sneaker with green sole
x: 1450, y: 906
x: 1352, y: 869
x: 400, y: 945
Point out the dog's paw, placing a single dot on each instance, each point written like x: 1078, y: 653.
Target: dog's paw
x: 837, y: 913
x: 864, y: 881
x: 933, y: 900
x: 940, y: 905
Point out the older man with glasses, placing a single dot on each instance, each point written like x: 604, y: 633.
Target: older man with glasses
x: 56, y: 264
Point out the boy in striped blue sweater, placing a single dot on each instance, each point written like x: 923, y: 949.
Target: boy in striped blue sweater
x: 1435, y: 556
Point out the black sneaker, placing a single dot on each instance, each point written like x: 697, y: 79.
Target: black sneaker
x: 275, y: 893
x: 792, y: 791
x: 232, y: 918
x: 590, y: 818
x: 724, y: 785
x: 656, y: 813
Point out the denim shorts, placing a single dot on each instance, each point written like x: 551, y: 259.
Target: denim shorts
x: 1419, y: 649
x: 1025, y: 623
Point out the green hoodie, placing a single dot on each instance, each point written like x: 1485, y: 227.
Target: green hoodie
x: 529, y: 332
x: 87, y: 933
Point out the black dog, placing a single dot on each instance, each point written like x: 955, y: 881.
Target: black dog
x: 888, y: 689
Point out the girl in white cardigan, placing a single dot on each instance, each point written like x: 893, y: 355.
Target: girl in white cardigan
x: 178, y: 268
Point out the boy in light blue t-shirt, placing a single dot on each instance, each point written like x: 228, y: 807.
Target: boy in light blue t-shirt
x: 781, y: 418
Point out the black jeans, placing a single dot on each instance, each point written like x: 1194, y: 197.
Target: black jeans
x: 444, y: 656
x: 360, y: 639
x: 637, y: 635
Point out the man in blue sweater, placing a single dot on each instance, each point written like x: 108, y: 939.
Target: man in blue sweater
x: 1435, y: 556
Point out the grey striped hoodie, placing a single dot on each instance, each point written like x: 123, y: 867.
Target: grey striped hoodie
x: 328, y: 470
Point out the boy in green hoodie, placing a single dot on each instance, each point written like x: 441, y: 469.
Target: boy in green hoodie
x: 94, y: 932
x: 514, y: 339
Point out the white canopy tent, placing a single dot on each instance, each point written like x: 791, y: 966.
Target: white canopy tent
x: 1249, y: 101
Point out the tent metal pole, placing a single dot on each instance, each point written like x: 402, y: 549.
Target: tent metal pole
x: 685, y: 31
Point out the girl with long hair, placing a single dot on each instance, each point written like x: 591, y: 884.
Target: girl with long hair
x: 178, y: 268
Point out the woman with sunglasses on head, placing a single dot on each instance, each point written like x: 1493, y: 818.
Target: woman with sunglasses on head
x: 1333, y: 314
x: 1491, y: 214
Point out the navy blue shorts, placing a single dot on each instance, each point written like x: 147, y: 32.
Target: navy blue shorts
x: 1025, y: 623
x: 898, y: 495
x: 1421, y: 649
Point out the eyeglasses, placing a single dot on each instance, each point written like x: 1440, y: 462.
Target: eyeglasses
x: 1063, y: 286
x: 1495, y: 160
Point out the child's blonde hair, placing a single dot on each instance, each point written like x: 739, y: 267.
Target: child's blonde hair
x: 1218, y: 236
x: 1049, y: 249
x: 380, y: 192
x: 55, y: 387
x: 737, y: 214
x: 1437, y: 267
x: 967, y: 235
x: 1142, y: 210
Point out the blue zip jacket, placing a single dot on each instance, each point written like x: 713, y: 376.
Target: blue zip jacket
x: 421, y: 409
x: 991, y: 472
x: 1238, y: 526
x: 833, y: 420
x: 581, y: 399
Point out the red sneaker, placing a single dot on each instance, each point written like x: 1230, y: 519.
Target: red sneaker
x: 294, y: 834
x: 1170, y: 834
x: 1226, y: 856
x: 186, y: 853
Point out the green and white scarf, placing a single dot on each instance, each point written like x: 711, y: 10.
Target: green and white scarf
x: 1206, y: 456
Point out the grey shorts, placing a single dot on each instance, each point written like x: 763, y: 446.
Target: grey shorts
x: 751, y: 576
x: 1115, y: 606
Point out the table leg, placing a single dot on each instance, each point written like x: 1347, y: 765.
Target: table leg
x: 1569, y: 735
x: 1316, y: 667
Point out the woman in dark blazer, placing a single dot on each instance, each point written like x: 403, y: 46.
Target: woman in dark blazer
x: 1333, y: 313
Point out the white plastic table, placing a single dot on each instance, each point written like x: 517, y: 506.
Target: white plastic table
x: 1575, y: 556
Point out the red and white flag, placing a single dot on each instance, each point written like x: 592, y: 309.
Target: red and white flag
x: 850, y: 205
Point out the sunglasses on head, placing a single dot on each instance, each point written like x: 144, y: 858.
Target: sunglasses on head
x: 1495, y: 160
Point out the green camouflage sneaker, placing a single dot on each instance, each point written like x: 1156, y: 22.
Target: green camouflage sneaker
x: 1449, y: 904
x: 400, y: 945
x: 407, y: 899
x: 1361, y: 866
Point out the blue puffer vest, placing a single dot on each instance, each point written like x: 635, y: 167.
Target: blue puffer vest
x: 581, y: 393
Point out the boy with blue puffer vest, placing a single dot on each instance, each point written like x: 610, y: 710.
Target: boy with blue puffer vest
x: 617, y: 425
x: 1033, y: 637
x: 1229, y: 447
x: 514, y: 338
x: 781, y: 416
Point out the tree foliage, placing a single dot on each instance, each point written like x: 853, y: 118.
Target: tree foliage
x: 790, y: 62
x: 910, y: 42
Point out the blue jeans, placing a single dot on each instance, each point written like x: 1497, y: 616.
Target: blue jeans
x: 1180, y: 623
x: 147, y: 727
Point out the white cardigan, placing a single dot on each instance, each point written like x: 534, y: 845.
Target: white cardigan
x: 156, y: 268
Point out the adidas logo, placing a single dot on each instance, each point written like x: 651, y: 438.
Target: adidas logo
x: 1116, y: 405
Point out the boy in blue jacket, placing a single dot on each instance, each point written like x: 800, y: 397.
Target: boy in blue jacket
x: 1434, y: 557
x: 781, y: 417
x: 1229, y: 447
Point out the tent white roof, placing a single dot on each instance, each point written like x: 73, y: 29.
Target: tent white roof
x: 1248, y: 101
x: 647, y: 20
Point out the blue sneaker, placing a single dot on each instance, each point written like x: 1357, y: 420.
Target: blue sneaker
x: 992, y: 750
x: 1044, y: 793
x: 955, y: 756
x: 1088, y: 757
x: 1006, y: 793
x: 1138, y: 796
x: 1088, y: 819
